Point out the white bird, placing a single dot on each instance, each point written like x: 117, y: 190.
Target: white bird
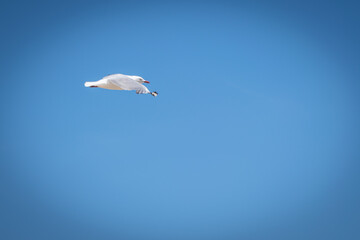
x: 122, y: 82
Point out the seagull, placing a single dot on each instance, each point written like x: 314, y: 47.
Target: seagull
x: 122, y: 82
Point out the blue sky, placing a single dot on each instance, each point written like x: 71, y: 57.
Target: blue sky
x: 254, y: 134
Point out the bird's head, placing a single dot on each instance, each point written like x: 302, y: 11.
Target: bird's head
x: 140, y: 79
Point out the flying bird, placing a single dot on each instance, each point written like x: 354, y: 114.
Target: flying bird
x: 122, y: 82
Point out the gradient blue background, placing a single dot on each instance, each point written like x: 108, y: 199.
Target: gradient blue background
x: 254, y: 135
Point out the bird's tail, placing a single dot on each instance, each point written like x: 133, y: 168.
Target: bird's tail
x: 90, y: 84
x: 154, y: 94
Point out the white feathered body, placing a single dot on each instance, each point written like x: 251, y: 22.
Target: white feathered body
x: 120, y: 82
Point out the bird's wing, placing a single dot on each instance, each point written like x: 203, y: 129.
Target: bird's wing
x: 127, y: 83
x: 142, y: 90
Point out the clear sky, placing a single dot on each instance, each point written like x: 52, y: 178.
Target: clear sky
x: 254, y: 135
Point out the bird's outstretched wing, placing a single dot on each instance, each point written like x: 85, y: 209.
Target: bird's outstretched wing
x: 126, y: 83
x: 142, y: 89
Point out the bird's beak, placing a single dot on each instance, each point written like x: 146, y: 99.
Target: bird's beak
x: 146, y: 81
